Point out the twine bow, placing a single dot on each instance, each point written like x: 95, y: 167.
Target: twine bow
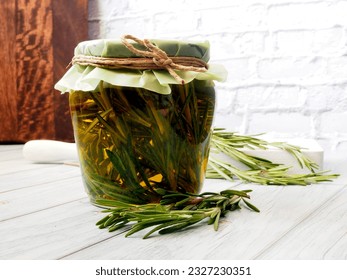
x: 159, y: 57
x: 152, y: 58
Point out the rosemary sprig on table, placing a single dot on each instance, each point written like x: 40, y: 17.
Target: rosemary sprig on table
x: 260, y: 170
x: 176, y: 211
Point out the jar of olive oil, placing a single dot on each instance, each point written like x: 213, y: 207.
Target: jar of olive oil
x: 140, y: 130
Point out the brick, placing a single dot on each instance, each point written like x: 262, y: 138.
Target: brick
x: 302, y: 15
x: 234, y: 18
x: 291, y: 68
x: 155, y: 6
x: 328, y: 41
x: 224, y: 100
x: 203, y: 4
x: 178, y: 22
x: 239, y: 69
x: 340, y: 12
x: 225, y: 116
x: 337, y: 67
x: 342, y: 148
x: 296, y: 42
x: 322, y: 98
x: 278, y: 2
x: 237, y: 44
x: 231, y: 122
x: 234, y: 45
x: 139, y: 26
x: 106, y: 8
x: 263, y: 98
x: 334, y: 122
x: 290, y: 123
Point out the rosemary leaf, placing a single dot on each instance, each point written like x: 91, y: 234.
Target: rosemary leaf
x: 216, y: 221
x: 250, y: 205
x: 165, y: 225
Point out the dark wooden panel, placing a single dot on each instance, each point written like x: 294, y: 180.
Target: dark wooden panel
x: 38, y: 38
x: 8, y: 91
x: 69, y: 28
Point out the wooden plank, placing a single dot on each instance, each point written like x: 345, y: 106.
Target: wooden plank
x: 14, y: 154
x: 69, y: 28
x: 8, y: 88
x: 42, y: 174
x: 52, y: 233
x: 281, y: 212
x: 242, y: 235
x: 15, y: 172
x: 12, y: 147
x: 322, y: 235
x: 34, y: 59
x: 28, y: 200
x: 13, y: 166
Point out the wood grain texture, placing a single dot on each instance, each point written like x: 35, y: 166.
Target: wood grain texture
x: 69, y: 28
x: 38, y: 40
x: 50, y: 238
x: 29, y: 200
x: 8, y: 107
x: 34, y: 59
x: 322, y: 235
x: 47, y: 173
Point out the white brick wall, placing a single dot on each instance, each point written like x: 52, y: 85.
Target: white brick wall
x: 287, y: 59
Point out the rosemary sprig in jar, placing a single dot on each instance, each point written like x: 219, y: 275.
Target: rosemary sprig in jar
x: 131, y: 141
x: 176, y: 211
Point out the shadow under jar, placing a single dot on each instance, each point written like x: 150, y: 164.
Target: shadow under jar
x: 133, y: 141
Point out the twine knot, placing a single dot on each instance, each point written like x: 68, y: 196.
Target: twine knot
x: 162, y: 61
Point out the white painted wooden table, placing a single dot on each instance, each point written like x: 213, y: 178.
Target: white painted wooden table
x: 45, y: 214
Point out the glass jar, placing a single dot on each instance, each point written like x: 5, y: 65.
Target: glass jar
x: 133, y: 141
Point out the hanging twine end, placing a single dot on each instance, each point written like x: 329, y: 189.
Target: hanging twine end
x: 69, y: 65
